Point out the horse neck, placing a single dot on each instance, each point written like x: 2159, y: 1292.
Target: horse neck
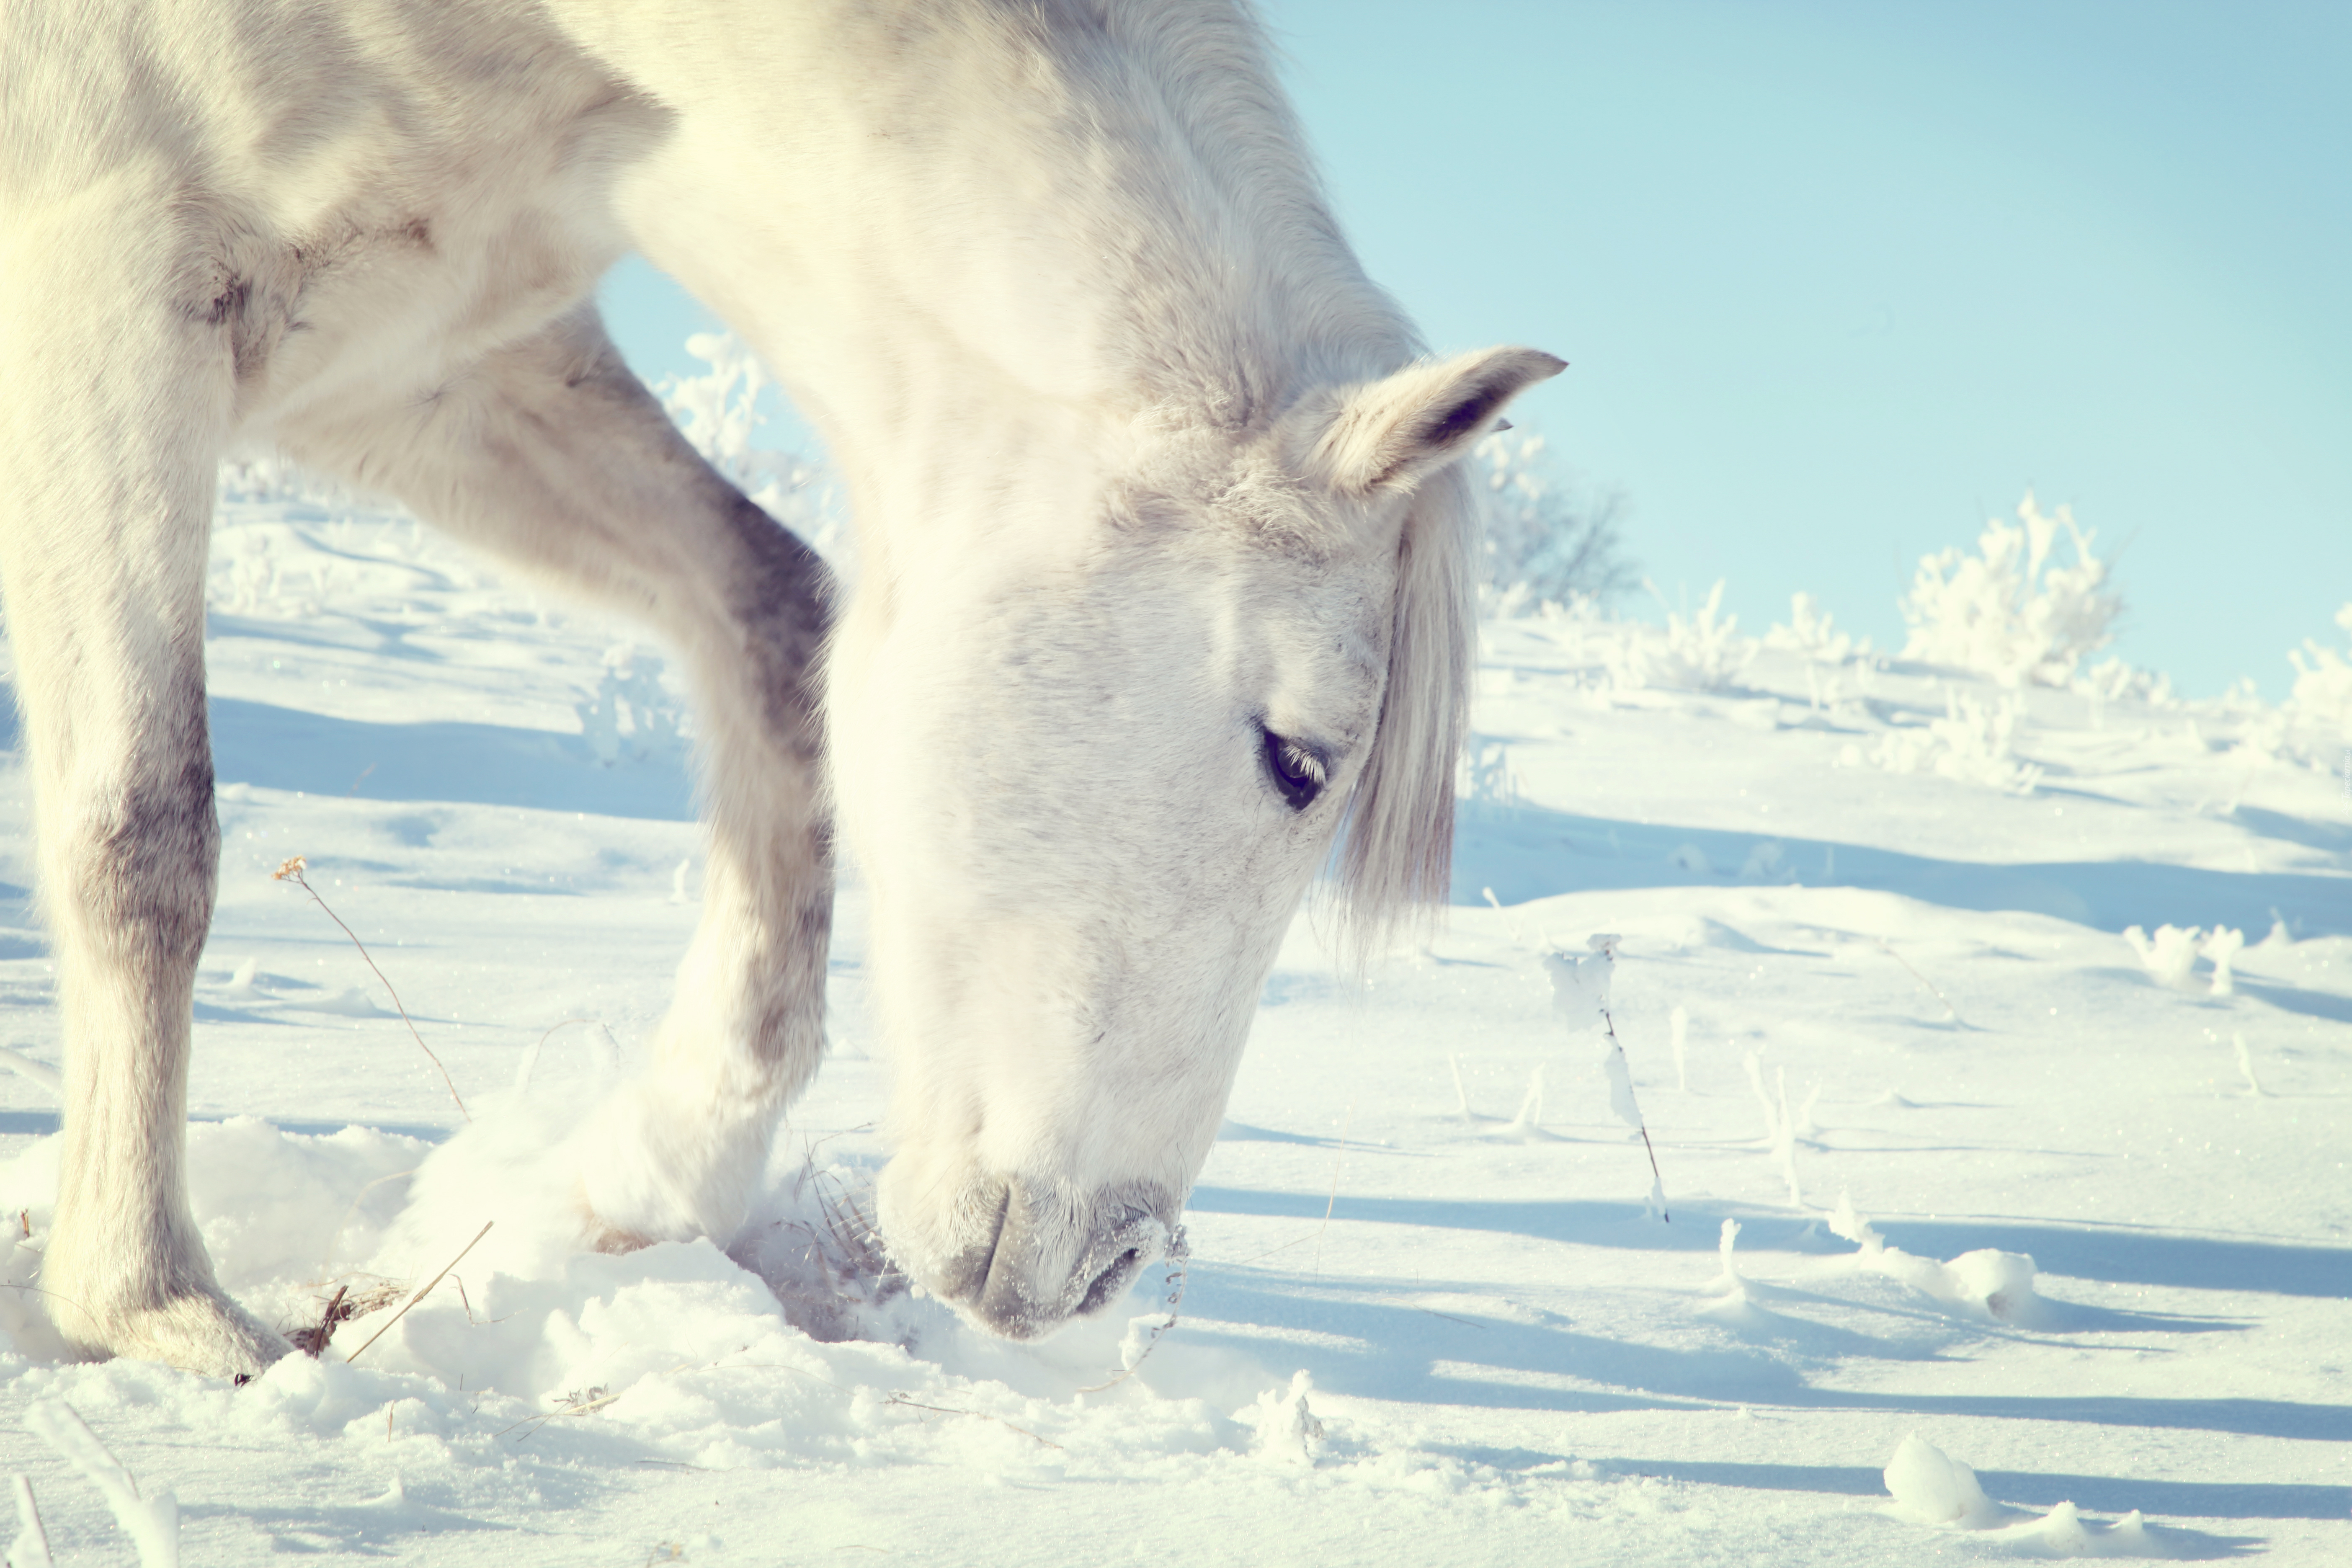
x: 980, y: 247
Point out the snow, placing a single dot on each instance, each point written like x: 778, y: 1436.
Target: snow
x: 1930, y: 1487
x: 2076, y: 1239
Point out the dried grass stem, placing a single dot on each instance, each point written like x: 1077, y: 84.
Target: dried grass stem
x: 292, y: 871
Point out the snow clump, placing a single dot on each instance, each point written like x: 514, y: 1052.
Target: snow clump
x: 2168, y: 956
x: 1929, y: 1486
x: 2221, y: 950
x: 1997, y: 1285
x: 1288, y: 1431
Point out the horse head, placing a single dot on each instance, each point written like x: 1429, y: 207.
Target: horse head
x: 1090, y: 758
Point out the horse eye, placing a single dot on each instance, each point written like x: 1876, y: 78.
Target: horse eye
x: 1298, y: 772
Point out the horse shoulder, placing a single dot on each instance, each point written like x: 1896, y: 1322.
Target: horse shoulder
x: 361, y: 200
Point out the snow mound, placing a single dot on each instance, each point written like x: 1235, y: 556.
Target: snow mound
x: 676, y: 1352
x: 1986, y: 1283
x: 1931, y: 1487
x: 1288, y: 1432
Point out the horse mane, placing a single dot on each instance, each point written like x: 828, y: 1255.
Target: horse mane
x: 1395, y: 859
x: 1254, y: 255
x: 1213, y: 63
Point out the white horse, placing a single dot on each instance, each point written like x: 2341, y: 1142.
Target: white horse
x: 1164, y: 563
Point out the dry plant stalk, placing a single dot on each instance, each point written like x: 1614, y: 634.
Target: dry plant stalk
x: 904, y: 1403
x: 310, y: 1341
x: 842, y: 1269
x: 422, y: 1294
x: 1338, y: 1162
x: 292, y: 871
x: 373, y: 1295
x: 1609, y: 1024
x: 578, y: 1403
x: 1924, y: 981
x: 1178, y: 1256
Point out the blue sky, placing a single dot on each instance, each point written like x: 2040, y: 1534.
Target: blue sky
x: 1837, y: 282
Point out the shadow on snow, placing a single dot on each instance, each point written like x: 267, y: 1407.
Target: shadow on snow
x: 2027, y: 1488
x: 482, y: 765
x: 1526, y: 852
x: 2113, y: 1254
x: 1493, y: 1363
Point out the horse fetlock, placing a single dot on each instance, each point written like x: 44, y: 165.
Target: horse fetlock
x: 653, y: 1168
x: 194, y: 1326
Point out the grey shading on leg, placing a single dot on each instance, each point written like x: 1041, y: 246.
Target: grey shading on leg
x: 551, y: 455
x: 109, y: 426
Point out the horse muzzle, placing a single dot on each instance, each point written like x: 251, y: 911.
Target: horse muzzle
x: 1034, y: 1258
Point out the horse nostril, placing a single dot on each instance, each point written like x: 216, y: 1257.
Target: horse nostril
x: 1107, y: 1284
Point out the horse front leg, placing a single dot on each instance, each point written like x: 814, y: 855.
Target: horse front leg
x: 551, y: 455
x: 108, y: 425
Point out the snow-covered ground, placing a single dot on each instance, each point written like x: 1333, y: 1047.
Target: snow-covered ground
x: 1874, y: 984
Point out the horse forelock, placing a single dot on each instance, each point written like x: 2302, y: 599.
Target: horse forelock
x: 1396, y: 856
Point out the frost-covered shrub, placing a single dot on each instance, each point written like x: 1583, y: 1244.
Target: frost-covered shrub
x: 1700, y: 652
x: 2323, y: 683
x: 1809, y: 632
x: 267, y: 476
x: 718, y: 413
x: 631, y: 714
x: 1547, y: 544
x: 1489, y: 776
x: 248, y: 573
x: 2113, y: 680
x: 2313, y: 727
x: 2005, y: 611
x: 1975, y: 742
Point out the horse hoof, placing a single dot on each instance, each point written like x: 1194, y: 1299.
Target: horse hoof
x: 202, y: 1332
x: 609, y: 1240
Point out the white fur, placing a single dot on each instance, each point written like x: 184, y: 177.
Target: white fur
x: 1139, y: 460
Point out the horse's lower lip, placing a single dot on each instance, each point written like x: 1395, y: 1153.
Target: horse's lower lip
x: 964, y: 1276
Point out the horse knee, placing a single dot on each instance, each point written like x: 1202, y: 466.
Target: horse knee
x: 135, y: 869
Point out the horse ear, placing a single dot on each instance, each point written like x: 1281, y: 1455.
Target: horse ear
x: 1391, y: 432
